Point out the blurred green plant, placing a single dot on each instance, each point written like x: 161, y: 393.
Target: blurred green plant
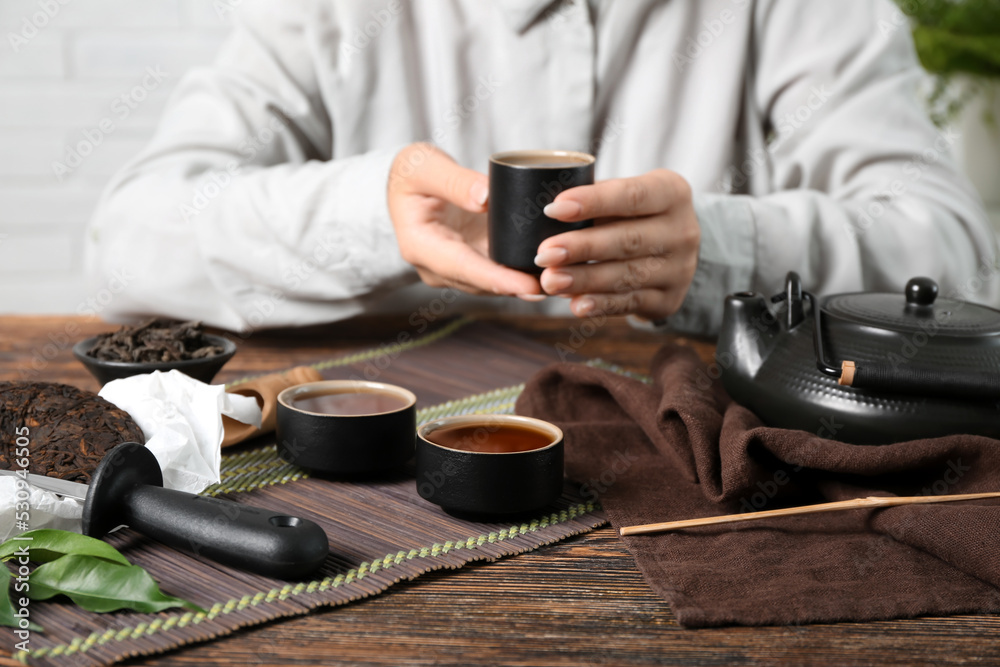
x: 957, y: 38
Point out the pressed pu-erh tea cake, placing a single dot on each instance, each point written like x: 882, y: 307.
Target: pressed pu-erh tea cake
x: 68, y: 430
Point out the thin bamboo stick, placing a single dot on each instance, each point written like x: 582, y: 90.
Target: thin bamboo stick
x: 840, y: 505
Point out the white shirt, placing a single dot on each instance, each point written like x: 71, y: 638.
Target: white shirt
x: 261, y: 200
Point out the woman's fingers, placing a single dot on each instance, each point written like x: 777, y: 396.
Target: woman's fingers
x: 618, y: 240
x: 424, y: 169
x: 648, y: 303
x: 453, y: 262
x: 613, y: 277
x: 652, y: 193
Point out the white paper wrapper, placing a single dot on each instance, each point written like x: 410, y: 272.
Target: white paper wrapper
x: 45, y: 510
x: 182, y: 420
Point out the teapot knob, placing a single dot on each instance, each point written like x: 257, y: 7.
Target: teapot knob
x: 921, y: 292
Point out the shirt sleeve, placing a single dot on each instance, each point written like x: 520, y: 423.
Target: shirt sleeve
x: 235, y: 213
x: 855, y: 189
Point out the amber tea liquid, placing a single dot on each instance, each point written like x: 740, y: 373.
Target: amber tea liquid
x: 490, y: 438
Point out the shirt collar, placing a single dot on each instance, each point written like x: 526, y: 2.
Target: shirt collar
x: 520, y: 14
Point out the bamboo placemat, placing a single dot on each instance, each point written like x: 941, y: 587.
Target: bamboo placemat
x: 381, y: 532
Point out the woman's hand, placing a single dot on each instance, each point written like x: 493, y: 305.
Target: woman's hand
x: 438, y: 210
x: 639, y: 257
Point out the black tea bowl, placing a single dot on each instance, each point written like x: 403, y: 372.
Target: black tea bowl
x: 200, y: 369
x: 493, y: 481
x: 346, y: 427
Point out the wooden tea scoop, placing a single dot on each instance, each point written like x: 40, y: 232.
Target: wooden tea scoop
x: 855, y: 503
x: 265, y: 389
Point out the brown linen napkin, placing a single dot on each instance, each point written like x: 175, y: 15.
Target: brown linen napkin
x: 681, y: 449
x: 265, y: 389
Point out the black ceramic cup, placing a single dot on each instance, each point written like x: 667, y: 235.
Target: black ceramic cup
x: 488, y: 483
x: 346, y: 426
x: 522, y: 183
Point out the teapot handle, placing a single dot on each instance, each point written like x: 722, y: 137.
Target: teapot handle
x: 900, y: 380
x: 821, y: 362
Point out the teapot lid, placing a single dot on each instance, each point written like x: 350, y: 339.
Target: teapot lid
x: 918, y: 308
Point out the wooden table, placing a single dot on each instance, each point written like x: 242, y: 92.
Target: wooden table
x: 579, y: 602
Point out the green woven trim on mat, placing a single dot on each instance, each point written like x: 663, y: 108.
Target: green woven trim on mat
x: 392, y: 350
x: 615, y: 368
x: 254, y: 469
x: 82, y: 645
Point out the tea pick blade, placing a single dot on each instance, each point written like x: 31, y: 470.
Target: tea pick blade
x: 63, y: 487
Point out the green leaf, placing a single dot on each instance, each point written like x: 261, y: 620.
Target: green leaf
x: 7, y: 610
x: 46, y: 545
x: 98, y: 585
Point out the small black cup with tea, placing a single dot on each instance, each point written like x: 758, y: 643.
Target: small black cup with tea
x: 522, y: 184
x: 346, y: 426
x: 489, y: 465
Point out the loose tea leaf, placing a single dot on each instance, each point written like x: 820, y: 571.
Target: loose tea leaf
x: 155, y: 341
x: 46, y: 545
x: 64, y: 430
x: 101, y: 586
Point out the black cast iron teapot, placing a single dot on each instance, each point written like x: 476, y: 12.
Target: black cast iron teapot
x: 865, y: 368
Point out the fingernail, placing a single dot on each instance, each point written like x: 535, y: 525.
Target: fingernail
x: 563, y: 209
x: 551, y: 257
x: 532, y: 297
x: 556, y: 282
x: 585, y: 306
x: 480, y: 193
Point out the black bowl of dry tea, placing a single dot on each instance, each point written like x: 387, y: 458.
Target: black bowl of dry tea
x: 156, y: 345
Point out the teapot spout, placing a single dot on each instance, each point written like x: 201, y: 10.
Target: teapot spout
x: 748, y: 334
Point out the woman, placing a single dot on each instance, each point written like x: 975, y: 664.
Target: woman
x: 330, y: 162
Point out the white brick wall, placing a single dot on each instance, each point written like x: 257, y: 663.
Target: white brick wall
x: 54, y: 86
